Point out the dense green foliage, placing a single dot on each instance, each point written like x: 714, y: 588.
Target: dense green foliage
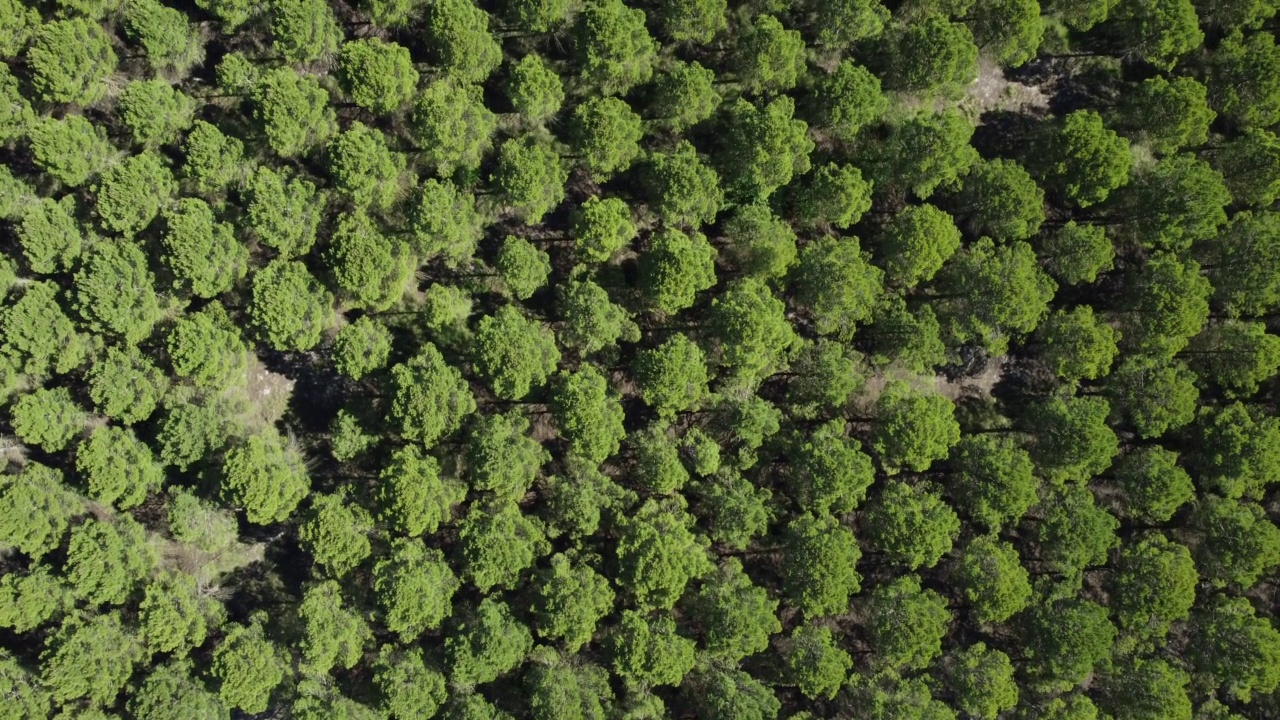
x: 634, y: 360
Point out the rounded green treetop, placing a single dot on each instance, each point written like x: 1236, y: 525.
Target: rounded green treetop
x: 70, y: 61
x: 266, y: 477
x: 378, y: 75
x: 290, y: 307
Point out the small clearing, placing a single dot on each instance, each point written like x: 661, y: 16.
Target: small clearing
x: 993, y: 91
x: 977, y: 386
x: 268, y: 394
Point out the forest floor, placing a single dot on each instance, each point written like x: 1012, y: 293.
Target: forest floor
x: 993, y: 91
x: 978, y: 386
x: 206, y: 567
x: 268, y: 394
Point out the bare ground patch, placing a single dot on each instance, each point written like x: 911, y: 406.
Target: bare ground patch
x: 977, y: 386
x: 542, y: 427
x: 12, y: 451
x: 993, y: 91
x: 268, y: 395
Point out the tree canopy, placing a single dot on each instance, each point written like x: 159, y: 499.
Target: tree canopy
x: 620, y: 360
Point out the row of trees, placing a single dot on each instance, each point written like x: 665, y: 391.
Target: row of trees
x: 586, y: 360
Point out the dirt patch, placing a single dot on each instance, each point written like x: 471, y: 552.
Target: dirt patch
x: 102, y: 512
x: 993, y: 91
x: 12, y: 452
x: 542, y: 427
x: 864, y: 402
x: 268, y: 395
x: 977, y: 386
x: 624, y: 384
